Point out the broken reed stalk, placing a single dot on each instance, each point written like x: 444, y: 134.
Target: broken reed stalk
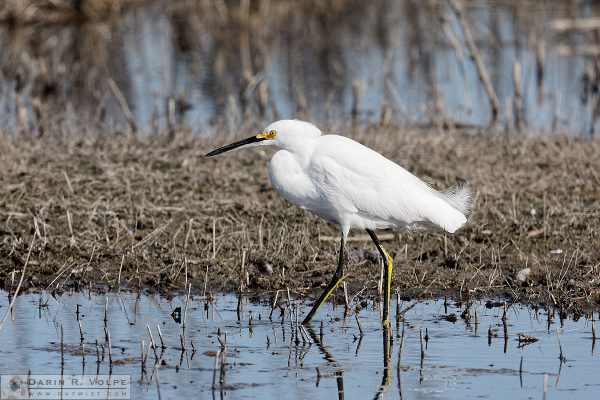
x: 238, y: 309
x: 14, y: 297
x: 223, y: 343
x: 83, y: 355
x: 187, y: 300
x: 561, y: 356
x: 302, y: 334
x: 120, y: 269
x: 109, y: 346
x: 297, y: 341
x: 421, y: 340
x: 106, y: 312
x: 289, y: 301
x: 397, y: 308
x: 205, y: 283
x: 408, y: 308
x: 153, y: 344
x: 561, y: 316
x: 222, y: 369
x: 505, y: 328
x: 422, y: 356
x: 273, y: 305
x: 80, y: 332
x: 98, y: 361
x: 593, y: 327
x: 143, y: 356
x: 305, y: 334
x: 160, y: 336
x: 243, y: 273
x: 358, y: 323
x: 346, y: 300
x: 476, y: 57
x: 182, y: 342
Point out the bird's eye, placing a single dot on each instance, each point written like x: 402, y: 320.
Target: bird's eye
x: 269, y: 135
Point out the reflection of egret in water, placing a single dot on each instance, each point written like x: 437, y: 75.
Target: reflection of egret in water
x: 387, y: 372
x: 399, y: 365
x: 339, y: 373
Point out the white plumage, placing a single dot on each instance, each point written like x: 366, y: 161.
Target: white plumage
x: 353, y: 186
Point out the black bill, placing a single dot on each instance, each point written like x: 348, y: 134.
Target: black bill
x: 232, y: 146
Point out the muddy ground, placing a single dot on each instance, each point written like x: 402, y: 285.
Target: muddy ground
x: 108, y: 210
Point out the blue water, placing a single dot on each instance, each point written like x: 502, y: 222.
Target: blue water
x: 307, y: 62
x: 263, y: 361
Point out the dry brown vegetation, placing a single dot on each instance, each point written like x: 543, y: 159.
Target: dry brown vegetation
x: 60, y: 11
x: 151, y: 213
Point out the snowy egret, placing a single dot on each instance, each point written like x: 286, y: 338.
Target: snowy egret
x: 352, y: 186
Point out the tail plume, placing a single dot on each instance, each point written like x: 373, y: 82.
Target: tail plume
x: 459, y: 197
x: 451, y: 211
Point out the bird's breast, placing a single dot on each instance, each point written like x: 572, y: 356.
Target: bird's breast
x: 290, y: 178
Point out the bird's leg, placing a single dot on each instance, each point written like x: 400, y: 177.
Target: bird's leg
x: 338, y: 276
x: 387, y: 276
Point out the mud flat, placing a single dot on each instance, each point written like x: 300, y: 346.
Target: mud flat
x: 105, y: 210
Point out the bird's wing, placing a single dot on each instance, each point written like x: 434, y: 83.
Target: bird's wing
x: 362, y: 180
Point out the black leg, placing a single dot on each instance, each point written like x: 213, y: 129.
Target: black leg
x: 338, y: 276
x: 387, y: 276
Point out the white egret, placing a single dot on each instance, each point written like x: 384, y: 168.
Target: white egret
x: 352, y: 186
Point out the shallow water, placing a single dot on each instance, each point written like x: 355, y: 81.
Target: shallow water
x: 264, y: 361
x: 303, y: 62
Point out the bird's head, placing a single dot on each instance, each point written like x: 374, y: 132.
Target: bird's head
x: 290, y: 134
